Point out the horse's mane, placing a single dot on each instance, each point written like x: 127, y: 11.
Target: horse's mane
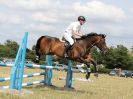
x: 91, y: 34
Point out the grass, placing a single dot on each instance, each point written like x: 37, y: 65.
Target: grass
x: 104, y: 87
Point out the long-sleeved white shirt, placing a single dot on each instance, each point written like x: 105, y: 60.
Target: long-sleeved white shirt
x: 72, y: 28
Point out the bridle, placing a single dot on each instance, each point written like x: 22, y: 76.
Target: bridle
x: 93, y: 44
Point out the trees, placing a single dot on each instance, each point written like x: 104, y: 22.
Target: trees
x: 10, y: 49
x: 4, y: 51
x: 117, y: 58
x: 97, y: 55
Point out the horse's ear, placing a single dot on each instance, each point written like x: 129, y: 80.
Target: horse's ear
x: 103, y: 35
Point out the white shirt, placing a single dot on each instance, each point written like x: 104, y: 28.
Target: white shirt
x: 73, y: 27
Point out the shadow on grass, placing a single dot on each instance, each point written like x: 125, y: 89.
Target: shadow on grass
x: 57, y: 88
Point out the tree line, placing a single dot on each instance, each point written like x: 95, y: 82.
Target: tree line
x: 116, y: 57
x: 9, y: 50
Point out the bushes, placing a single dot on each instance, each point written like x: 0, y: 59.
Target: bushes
x: 101, y: 69
x: 104, y: 70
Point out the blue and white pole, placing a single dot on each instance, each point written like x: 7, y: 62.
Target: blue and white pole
x: 69, y: 75
x: 18, y: 68
x: 24, y: 76
x: 48, y: 71
x: 26, y: 84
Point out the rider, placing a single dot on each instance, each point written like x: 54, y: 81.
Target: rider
x: 73, y: 31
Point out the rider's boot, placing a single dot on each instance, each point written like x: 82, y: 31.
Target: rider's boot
x: 66, y: 50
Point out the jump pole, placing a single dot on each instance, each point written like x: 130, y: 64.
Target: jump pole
x: 18, y: 68
x: 69, y: 75
x: 48, y: 71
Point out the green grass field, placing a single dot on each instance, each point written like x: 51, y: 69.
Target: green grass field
x: 104, y: 87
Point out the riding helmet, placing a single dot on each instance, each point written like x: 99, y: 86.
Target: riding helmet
x: 82, y: 18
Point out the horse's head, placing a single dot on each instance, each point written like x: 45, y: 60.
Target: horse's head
x: 100, y: 43
x: 96, y: 40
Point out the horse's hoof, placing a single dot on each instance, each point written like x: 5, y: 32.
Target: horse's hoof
x: 87, y: 76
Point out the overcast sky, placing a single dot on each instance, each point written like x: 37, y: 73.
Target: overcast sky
x: 51, y: 17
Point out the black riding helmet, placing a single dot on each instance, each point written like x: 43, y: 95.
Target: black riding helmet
x: 81, y: 18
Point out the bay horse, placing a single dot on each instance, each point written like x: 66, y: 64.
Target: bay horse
x: 78, y: 52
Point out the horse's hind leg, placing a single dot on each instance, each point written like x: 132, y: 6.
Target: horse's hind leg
x: 88, y: 71
x: 95, y: 68
x: 37, y: 57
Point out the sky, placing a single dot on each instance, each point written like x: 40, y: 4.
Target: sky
x: 51, y: 17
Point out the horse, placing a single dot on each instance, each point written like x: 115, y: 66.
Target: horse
x: 78, y: 52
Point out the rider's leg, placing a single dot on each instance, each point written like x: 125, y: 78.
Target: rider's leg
x: 70, y: 40
x: 68, y: 46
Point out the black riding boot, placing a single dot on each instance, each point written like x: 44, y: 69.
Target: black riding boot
x: 66, y: 50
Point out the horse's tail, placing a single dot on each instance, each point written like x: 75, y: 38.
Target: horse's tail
x: 38, y: 54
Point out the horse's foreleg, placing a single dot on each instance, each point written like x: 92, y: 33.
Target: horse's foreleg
x: 90, y: 59
x: 88, y: 67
